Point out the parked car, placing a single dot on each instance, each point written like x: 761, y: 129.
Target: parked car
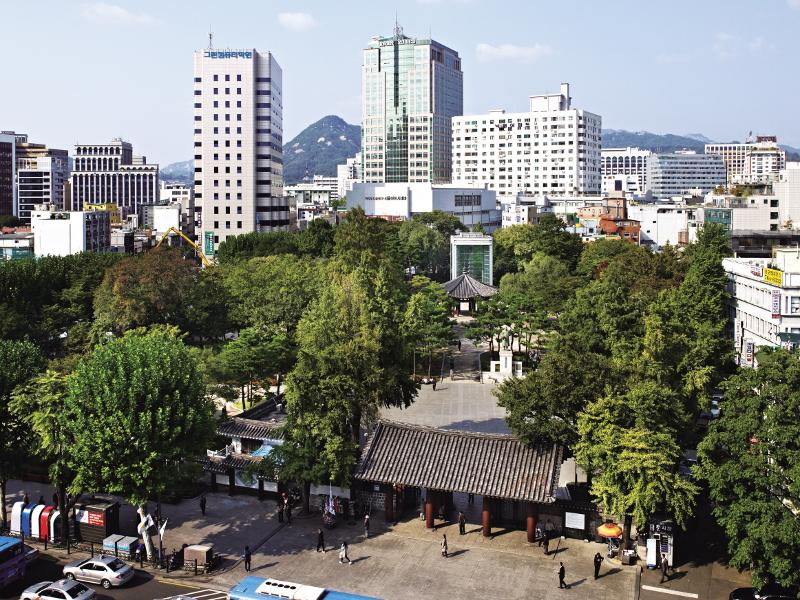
x: 63, y: 589
x: 31, y: 554
x: 715, y: 410
x: 768, y: 592
x: 108, y: 571
x: 688, y: 461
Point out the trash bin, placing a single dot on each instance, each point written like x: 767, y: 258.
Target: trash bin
x: 203, y: 554
x: 127, y: 546
x: 110, y: 544
x: 96, y: 519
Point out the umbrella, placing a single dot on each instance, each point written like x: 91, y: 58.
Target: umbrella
x: 609, y: 530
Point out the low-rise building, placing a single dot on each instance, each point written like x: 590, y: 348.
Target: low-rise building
x: 663, y: 223
x: 624, y: 170
x: 760, y: 213
x: 764, y: 305
x: 61, y: 233
x: 348, y: 174
x: 679, y: 173
x: 401, y: 201
x: 16, y: 243
x: 184, y: 195
x: 473, y: 254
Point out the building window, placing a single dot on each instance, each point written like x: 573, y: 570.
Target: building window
x: 238, y: 224
x: 238, y: 78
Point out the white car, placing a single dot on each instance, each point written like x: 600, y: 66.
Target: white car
x: 63, y: 589
x: 108, y: 571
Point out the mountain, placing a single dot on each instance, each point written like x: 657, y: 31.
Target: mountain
x: 699, y: 137
x: 319, y: 148
x: 179, y: 172
x: 619, y: 138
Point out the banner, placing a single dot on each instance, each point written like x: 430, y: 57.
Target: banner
x: 776, y: 304
x: 773, y: 277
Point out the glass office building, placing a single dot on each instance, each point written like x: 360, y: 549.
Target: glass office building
x: 411, y: 88
x: 472, y: 253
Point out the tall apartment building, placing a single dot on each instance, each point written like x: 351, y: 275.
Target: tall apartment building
x: 42, y: 173
x: 111, y: 174
x: 8, y: 174
x: 751, y: 162
x: 551, y: 149
x: 680, y: 173
x: 238, y: 143
x: 410, y: 90
x: 624, y: 170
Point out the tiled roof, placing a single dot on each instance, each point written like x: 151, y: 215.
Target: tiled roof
x: 251, y: 429
x: 466, y: 286
x: 237, y: 462
x: 494, y: 465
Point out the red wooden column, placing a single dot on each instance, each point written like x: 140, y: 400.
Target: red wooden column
x: 531, y: 522
x: 429, y: 510
x: 487, y: 516
x: 389, y: 502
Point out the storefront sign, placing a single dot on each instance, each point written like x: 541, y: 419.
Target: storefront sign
x: 208, y: 243
x: 574, y: 520
x: 773, y: 276
x: 757, y: 270
x: 748, y: 354
x: 776, y: 304
x: 90, y: 517
x: 228, y: 54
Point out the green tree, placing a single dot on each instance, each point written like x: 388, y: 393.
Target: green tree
x: 427, y: 319
x: 445, y: 223
x: 751, y: 461
x: 551, y: 237
x: 545, y: 281
x: 513, y: 247
x: 597, y: 254
x: 19, y: 362
x: 250, y: 245
x: 137, y: 411
x: 361, y: 239
x: 425, y: 248
x: 255, y: 355
x: 317, y: 239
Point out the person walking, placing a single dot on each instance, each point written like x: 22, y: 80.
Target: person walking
x: 366, y: 525
x: 41, y: 500
x: 320, y: 540
x: 247, y: 557
x: 343, y: 554
x: 462, y: 523
x: 598, y: 560
x: 470, y: 498
x: 444, y: 545
x: 203, y: 505
x: 459, y: 345
x: 434, y: 384
x: 288, y: 513
x: 25, y: 499
x: 562, y: 573
x: 664, y: 568
x: 546, y: 544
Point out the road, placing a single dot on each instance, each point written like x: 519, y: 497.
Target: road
x: 144, y: 586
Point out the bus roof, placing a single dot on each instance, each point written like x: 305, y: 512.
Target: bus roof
x: 259, y: 588
x: 8, y: 542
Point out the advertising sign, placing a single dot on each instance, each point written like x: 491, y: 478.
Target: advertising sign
x: 748, y: 354
x: 574, y: 520
x: 776, y: 304
x: 773, y: 276
x: 208, y: 243
x: 96, y: 518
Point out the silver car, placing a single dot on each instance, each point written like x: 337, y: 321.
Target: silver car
x: 108, y: 571
x: 63, y: 589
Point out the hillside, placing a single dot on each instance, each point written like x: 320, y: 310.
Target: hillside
x: 319, y: 148
x: 179, y: 172
x: 619, y: 138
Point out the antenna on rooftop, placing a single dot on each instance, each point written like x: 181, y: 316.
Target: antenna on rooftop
x: 398, y: 31
x: 210, y: 38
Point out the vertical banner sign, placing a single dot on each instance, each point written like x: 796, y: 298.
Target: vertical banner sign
x: 776, y: 304
x: 208, y: 245
x: 749, y: 352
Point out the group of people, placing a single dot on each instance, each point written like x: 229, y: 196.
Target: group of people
x: 284, y: 509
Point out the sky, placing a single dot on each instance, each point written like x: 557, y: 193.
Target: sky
x: 86, y: 72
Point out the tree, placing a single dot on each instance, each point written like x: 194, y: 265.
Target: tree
x: 137, y: 411
x: 255, y: 354
x: 19, y: 361
x: 550, y: 237
x: 427, y: 319
x: 360, y: 239
x: 513, y: 247
x: 208, y: 306
x: 597, y: 254
x: 425, y: 248
x: 545, y: 281
x: 445, y: 223
x: 250, y: 245
x: 751, y: 461
x: 317, y: 239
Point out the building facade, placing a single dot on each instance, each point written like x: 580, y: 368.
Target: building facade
x: 787, y: 189
x: 472, y: 253
x: 551, y: 149
x: 751, y: 162
x: 663, y: 223
x: 178, y: 193
x: 238, y: 143
x: 401, y: 201
x: 410, y: 90
x: 42, y: 174
x: 61, y: 233
x: 8, y: 174
x: 680, y: 173
x: 111, y: 174
x: 348, y: 174
x: 624, y: 170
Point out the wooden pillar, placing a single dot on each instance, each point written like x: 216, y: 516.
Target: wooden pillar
x: 260, y: 489
x: 231, y: 481
x: 213, y: 481
x: 389, y: 502
x: 531, y: 522
x: 429, y: 509
x: 487, y: 517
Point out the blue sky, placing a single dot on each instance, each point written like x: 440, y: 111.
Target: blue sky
x: 89, y: 71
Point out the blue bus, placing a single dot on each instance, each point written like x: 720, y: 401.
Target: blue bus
x: 12, y: 560
x: 259, y: 588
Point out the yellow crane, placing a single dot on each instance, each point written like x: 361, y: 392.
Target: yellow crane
x: 203, y: 258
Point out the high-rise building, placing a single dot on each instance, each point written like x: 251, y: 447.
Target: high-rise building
x: 238, y: 144
x: 42, y: 173
x: 410, y: 90
x: 751, y: 162
x: 624, y: 170
x: 684, y: 172
x: 8, y: 174
x: 111, y: 174
x: 348, y: 174
x: 551, y: 149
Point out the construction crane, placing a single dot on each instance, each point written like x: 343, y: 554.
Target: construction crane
x: 205, y: 261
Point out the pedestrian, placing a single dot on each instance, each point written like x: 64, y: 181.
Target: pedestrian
x: 598, y: 560
x: 451, y: 373
x: 203, y: 505
x: 288, y: 513
x: 280, y: 509
x: 139, y: 551
x: 55, y: 499
x: 247, y: 557
x: 434, y: 384
x: 459, y: 345
x: 366, y: 525
x: 25, y: 499
x: 546, y: 544
x: 320, y: 540
x: 664, y: 568
x: 41, y: 500
x: 444, y: 545
x: 561, y: 574
x: 343, y: 554
x: 470, y: 498
x: 462, y: 523
x: 538, y: 534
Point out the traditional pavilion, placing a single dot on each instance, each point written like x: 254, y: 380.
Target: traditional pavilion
x: 467, y: 290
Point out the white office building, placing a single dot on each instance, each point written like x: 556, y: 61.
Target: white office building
x: 684, y: 172
x: 551, y: 149
x: 764, y: 302
x: 410, y: 90
x: 61, y: 233
x: 401, y: 201
x: 348, y: 174
x: 664, y: 223
x: 787, y: 189
x: 238, y: 158
x: 752, y: 162
x: 111, y: 174
x: 624, y: 170
x: 178, y: 193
